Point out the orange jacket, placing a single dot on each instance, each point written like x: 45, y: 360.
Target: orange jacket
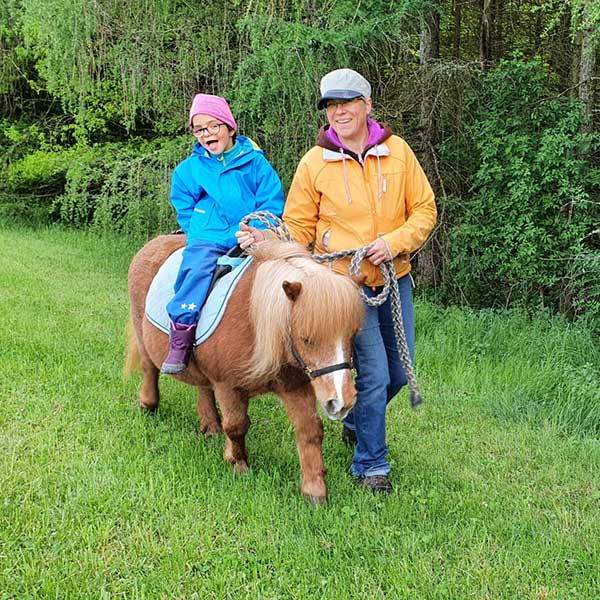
x: 339, y: 205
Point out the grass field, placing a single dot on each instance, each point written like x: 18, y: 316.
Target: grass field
x: 497, y: 476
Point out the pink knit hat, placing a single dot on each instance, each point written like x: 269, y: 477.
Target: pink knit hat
x: 215, y: 106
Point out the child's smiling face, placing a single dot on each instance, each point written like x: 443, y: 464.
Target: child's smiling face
x: 213, y: 135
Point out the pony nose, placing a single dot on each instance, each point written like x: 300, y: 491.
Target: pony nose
x: 333, y: 407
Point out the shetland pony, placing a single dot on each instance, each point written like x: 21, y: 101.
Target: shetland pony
x: 287, y: 329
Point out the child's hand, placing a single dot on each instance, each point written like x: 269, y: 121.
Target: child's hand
x: 247, y: 236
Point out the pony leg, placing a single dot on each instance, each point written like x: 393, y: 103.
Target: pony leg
x: 138, y: 359
x: 149, y: 395
x: 300, y: 406
x: 234, y: 410
x: 210, y: 423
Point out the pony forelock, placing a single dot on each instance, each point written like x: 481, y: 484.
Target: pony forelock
x: 327, y: 306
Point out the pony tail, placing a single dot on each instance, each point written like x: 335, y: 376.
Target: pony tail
x: 132, y: 352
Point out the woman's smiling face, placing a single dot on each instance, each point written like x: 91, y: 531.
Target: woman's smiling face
x: 348, y: 118
x: 213, y: 135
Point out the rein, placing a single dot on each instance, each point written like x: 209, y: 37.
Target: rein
x: 389, y: 278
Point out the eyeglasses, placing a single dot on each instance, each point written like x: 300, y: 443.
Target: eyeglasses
x: 335, y: 102
x: 203, y: 131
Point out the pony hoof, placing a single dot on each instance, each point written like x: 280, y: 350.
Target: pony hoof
x: 212, y: 430
x: 240, y: 468
x: 315, y: 492
x: 148, y: 408
x: 315, y: 500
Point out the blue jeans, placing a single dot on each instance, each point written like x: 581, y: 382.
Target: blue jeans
x: 380, y: 376
x: 193, y: 280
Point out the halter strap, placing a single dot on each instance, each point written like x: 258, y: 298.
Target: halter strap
x: 318, y: 372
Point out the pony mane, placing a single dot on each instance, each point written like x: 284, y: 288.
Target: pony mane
x: 328, y: 305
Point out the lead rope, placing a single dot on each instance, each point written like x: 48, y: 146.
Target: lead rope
x: 278, y: 227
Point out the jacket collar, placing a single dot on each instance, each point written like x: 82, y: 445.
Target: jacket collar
x: 243, y: 151
x: 333, y: 155
x: 378, y: 133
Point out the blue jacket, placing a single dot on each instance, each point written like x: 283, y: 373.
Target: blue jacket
x: 211, y: 194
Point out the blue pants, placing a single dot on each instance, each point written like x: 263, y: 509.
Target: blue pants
x: 380, y: 376
x: 193, y: 280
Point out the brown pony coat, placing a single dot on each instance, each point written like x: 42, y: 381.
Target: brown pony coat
x: 249, y: 354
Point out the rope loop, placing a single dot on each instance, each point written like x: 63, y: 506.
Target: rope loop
x: 389, y: 289
x: 272, y: 222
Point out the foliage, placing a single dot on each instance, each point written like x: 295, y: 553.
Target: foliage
x: 31, y: 184
x: 583, y: 284
x: 111, y: 63
x: 586, y: 15
x: 12, y: 53
x: 123, y: 188
x: 530, y: 221
x: 96, y: 84
x: 112, y: 187
x: 116, y: 67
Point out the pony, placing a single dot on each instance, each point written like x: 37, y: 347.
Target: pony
x: 287, y: 329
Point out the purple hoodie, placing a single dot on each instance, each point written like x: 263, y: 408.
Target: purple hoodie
x: 378, y: 133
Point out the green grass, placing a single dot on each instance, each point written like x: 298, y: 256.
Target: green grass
x: 496, y: 476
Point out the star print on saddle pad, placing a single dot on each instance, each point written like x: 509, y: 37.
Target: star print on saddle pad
x: 161, y: 292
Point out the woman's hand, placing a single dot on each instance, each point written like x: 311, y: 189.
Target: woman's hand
x: 378, y: 252
x: 247, y: 236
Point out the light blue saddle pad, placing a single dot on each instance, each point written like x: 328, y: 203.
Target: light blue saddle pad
x: 161, y: 292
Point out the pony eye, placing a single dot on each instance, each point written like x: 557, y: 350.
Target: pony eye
x: 307, y: 341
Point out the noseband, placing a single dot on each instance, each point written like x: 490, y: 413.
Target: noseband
x: 318, y: 372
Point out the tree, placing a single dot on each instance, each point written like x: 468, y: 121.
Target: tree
x: 587, y: 64
x: 456, y: 31
x: 429, y: 53
x: 485, y: 34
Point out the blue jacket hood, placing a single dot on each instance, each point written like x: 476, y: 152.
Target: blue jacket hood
x: 211, y: 194
x: 242, y: 147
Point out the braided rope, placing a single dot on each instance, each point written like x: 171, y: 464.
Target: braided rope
x: 278, y: 227
x: 273, y: 223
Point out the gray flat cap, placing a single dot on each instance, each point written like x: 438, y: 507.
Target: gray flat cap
x: 343, y: 84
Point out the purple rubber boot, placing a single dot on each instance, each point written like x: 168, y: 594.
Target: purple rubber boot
x: 181, y: 342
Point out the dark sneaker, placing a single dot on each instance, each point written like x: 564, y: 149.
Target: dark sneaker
x: 181, y: 342
x: 378, y: 484
x: 348, y: 436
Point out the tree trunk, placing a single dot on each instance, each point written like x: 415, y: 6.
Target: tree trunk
x: 427, y: 271
x: 430, y: 34
x: 429, y: 51
x: 498, y: 29
x: 576, y: 65
x: 563, y: 50
x: 485, y: 34
x: 586, y: 68
x: 456, y: 10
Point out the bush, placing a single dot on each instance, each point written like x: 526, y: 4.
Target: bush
x: 123, y: 187
x: 29, y: 186
x: 113, y: 187
x: 527, y: 233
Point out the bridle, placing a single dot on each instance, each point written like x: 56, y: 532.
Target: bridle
x: 317, y: 372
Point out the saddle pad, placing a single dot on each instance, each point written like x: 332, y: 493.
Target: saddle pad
x: 161, y: 291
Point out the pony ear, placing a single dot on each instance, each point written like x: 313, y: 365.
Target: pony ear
x: 359, y: 280
x: 292, y: 289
